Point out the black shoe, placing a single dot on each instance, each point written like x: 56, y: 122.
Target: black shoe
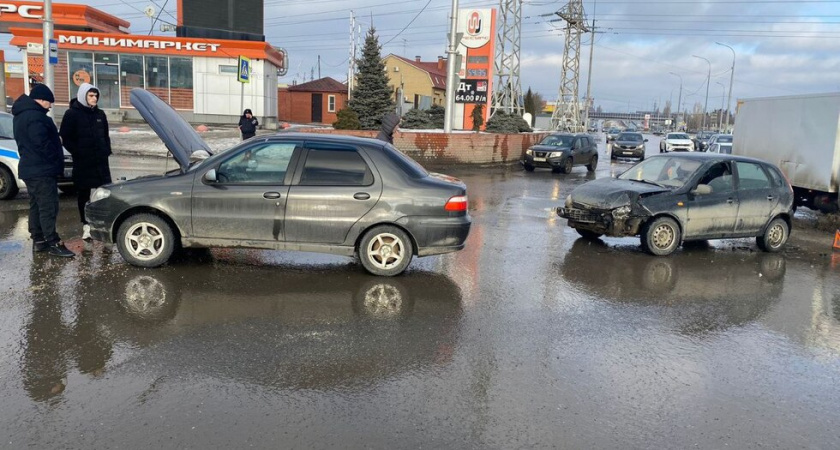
x: 40, y: 246
x: 58, y: 249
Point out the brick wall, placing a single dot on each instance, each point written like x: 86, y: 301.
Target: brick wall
x: 455, y: 148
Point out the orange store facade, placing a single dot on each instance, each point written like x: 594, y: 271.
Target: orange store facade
x: 197, y: 76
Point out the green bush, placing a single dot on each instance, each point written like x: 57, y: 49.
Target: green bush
x: 507, y: 124
x: 347, y: 119
x: 437, y: 113
x: 417, y: 120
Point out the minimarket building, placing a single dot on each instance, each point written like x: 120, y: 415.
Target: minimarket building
x: 197, y: 76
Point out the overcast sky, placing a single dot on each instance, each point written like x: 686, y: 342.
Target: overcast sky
x: 782, y: 47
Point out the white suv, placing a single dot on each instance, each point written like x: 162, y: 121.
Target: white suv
x: 676, y: 142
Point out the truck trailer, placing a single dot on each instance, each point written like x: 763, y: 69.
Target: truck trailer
x: 801, y: 135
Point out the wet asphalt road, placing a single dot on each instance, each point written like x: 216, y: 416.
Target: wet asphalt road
x: 528, y: 338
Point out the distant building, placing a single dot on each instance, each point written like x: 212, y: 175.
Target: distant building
x: 423, y: 84
x: 317, y: 101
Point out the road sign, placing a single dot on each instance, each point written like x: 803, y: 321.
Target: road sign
x: 53, y: 51
x: 243, y: 75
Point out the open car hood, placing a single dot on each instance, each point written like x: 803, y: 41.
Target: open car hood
x: 178, y: 136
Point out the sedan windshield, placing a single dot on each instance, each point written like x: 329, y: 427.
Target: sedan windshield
x: 632, y: 137
x: 724, y: 139
x: 677, y: 136
x: 558, y: 141
x: 672, y: 172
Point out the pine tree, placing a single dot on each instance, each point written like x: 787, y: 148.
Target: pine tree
x: 371, y: 98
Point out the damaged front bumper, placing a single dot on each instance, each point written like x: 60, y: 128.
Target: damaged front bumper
x: 621, y: 221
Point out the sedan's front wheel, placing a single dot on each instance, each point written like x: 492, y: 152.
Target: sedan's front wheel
x: 661, y: 236
x: 775, y: 236
x: 145, y: 240
x: 385, y: 251
x: 8, y: 185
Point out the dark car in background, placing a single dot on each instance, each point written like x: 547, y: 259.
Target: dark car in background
x: 560, y: 152
x: 628, y: 145
x: 291, y: 191
x: 701, y: 140
x: 669, y: 199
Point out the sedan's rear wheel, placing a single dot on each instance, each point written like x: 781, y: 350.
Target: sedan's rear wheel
x: 8, y: 185
x: 145, y: 240
x: 775, y: 236
x: 661, y: 236
x: 385, y: 251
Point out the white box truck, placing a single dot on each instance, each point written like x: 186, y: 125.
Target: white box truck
x: 801, y: 135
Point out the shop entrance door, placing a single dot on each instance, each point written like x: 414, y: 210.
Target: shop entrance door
x: 108, y: 82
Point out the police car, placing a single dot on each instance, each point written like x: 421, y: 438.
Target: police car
x: 10, y: 183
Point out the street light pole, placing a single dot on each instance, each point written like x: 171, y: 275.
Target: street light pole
x: 722, y: 95
x: 679, y: 100
x: 48, y: 35
x: 731, y: 79
x: 450, y: 70
x: 708, y: 78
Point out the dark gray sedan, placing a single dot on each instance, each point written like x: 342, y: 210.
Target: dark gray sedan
x: 669, y: 199
x: 292, y: 191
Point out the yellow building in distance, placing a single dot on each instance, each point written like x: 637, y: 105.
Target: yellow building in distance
x: 423, y: 83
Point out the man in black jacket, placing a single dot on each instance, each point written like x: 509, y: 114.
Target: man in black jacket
x: 41, y: 163
x: 248, y: 125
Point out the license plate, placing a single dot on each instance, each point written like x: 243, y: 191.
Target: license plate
x: 539, y: 159
x: 627, y: 153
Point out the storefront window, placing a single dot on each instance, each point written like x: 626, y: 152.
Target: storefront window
x: 181, y: 71
x: 131, y: 71
x: 157, y: 72
x: 80, y: 66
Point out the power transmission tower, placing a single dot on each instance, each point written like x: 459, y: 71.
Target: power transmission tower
x: 508, y: 96
x: 566, y: 114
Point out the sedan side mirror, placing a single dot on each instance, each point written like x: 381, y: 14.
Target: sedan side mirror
x: 210, y: 176
x: 646, y: 140
x: 702, y: 189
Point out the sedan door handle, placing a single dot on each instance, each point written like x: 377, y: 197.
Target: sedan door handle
x: 271, y: 195
x: 730, y: 201
x: 361, y: 196
x: 770, y: 198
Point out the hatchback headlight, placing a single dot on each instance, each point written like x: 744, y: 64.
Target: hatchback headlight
x: 99, y: 194
x: 569, y: 201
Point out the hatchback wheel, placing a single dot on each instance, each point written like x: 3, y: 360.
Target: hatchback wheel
x: 145, y: 240
x: 567, y: 165
x: 8, y: 185
x: 775, y: 236
x: 385, y: 251
x: 593, y: 164
x: 661, y: 236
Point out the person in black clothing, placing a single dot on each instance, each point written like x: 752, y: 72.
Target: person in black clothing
x: 84, y: 132
x: 390, y: 122
x: 41, y: 163
x: 248, y: 125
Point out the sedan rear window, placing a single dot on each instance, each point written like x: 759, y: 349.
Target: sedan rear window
x: 411, y: 167
x: 335, y: 168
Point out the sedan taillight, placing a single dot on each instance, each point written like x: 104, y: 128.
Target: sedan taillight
x: 457, y: 203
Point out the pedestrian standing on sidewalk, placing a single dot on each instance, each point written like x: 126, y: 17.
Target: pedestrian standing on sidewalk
x: 41, y: 163
x: 248, y: 125
x: 84, y: 132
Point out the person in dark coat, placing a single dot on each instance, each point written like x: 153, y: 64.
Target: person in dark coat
x: 390, y: 122
x: 84, y: 132
x: 248, y: 124
x: 41, y: 163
